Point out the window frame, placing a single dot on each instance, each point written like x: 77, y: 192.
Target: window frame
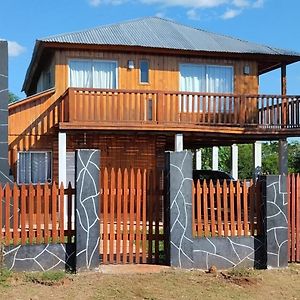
x: 93, y: 60
x: 30, y: 152
x: 140, y: 71
x: 206, y: 74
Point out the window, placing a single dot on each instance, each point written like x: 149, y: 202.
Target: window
x: 34, y: 167
x: 93, y: 74
x: 205, y: 79
x: 46, y: 80
x: 144, y: 71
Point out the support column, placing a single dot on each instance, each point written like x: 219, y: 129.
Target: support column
x: 283, y: 157
x: 62, y: 158
x: 283, y: 80
x: 87, y: 209
x: 234, y: 161
x: 179, y: 168
x: 4, y: 167
x: 257, y: 159
x: 178, y: 142
x: 274, y: 194
x: 198, y: 159
x: 215, y: 158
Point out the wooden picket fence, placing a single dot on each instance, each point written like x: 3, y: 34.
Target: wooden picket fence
x: 131, y: 218
x: 35, y: 214
x: 227, y: 208
x: 293, y: 189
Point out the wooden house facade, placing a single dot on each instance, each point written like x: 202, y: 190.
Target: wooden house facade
x: 128, y: 89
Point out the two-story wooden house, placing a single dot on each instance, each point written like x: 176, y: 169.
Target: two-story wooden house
x: 129, y: 88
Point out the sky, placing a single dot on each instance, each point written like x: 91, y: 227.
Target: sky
x: 270, y: 22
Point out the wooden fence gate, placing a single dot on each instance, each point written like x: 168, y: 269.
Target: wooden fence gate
x: 131, y: 216
x: 293, y: 186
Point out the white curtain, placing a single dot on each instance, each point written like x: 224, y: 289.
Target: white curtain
x: 104, y: 75
x: 24, y: 167
x: 206, y: 79
x: 34, y: 167
x: 192, y: 79
x: 80, y: 73
x: 219, y: 79
x: 93, y: 74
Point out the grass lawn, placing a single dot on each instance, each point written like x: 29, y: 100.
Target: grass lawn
x: 171, y: 284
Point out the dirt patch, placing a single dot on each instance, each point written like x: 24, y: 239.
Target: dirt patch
x: 167, y: 284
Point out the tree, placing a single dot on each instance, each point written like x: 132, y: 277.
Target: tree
x: 12, y: 97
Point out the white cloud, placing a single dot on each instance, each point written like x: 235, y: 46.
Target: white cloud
x: 258, y: 4
x: 160, y: 15
x: 192, y: 14
x: 240, y: 3
x: 187, y: 3
x: 95, y: 2
x: 15, y: 49
x: 230, y: 14
x: 232, y: 8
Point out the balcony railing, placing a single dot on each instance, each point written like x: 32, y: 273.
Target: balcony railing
x: 138, y: 107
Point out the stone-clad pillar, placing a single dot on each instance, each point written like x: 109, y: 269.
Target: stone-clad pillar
x: 4, y: 168
x: 179, y: 198
x: 87, y: 209
x: 275, y: 198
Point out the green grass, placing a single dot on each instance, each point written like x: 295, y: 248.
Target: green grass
x: 45, y: 278
x: 5, y: 274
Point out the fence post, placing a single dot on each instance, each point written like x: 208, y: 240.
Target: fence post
x: 87, y: 209
x: 179, y: 167
x: 275, y: 201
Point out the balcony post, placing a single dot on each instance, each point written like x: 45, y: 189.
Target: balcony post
x: 234, y: 161
x: 71, y: 104
x: 198, y: 159
x: 215, y: 158
x: 257, y: 159
x: 178, y: 142
x: 283, y: 93
x: 62, y: 158
x: 283, y: 157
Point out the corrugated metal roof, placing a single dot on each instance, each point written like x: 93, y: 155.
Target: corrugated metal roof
x: 155, y: 32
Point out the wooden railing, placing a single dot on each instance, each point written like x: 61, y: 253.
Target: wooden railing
x: 35, y: 214
x: 227, y: 209
x: 184, y: 108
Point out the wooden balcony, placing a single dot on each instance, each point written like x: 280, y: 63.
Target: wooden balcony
x: 161, y: 110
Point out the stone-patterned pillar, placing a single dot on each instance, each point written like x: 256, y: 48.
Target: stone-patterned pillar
x: 179, y: 168
x: 275, y: 198
x: 87, y: 209
x: 4, y: 168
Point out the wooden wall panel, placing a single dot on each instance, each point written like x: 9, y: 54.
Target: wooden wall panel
x: 117, y: 151
x: 164, y: 70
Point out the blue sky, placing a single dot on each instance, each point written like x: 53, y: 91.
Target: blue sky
x: 271, y: 22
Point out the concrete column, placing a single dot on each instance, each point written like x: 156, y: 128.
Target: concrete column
x: 179, y: 169
x: 4, y: 167
x: 62, y: 158
x: 257, y: 159
x: 178, y: 142
x: 283, y: 157
x: 275, y: 197
x: 215, y: 158
x: 234, y: 161
x: 198, y: 159
x: 87, y: 209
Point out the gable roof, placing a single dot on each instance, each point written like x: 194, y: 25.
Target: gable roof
x: 155, y: 32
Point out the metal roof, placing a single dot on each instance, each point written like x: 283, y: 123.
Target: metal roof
x: 155, y: 32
